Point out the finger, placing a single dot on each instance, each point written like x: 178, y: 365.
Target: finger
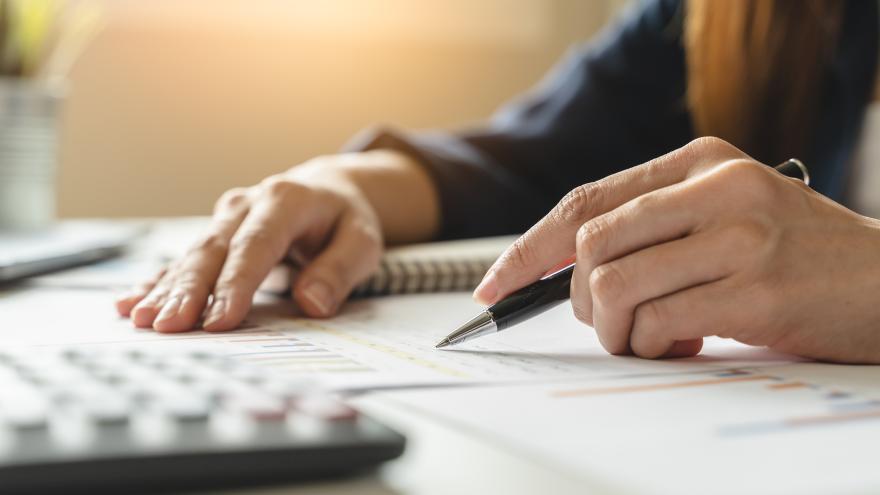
x: 695, y: 205
x: 195, y: 275
x: 149, y: 308
x: 638, y: 224
x: 144, y: 313
x: 127, y: 301
x: 352, y: 255
x: 618, y: 287
x: 656, y: 217
x: 684, y: 348
x: 552, y: 239
x: 262, y: 241
x: 661, y: 325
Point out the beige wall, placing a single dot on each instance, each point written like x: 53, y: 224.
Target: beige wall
x: 177, y: 101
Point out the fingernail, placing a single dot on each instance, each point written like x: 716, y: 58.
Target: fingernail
x: 319, y: 294
x: 487, y: 291
x: 170, y: 309
x: 216, y: 313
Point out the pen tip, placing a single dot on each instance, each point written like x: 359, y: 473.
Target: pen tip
x: 442, y: 343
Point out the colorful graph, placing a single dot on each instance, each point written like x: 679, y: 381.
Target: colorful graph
x: 292, y: 355
x: 625, y: 389
x: 840, y: 407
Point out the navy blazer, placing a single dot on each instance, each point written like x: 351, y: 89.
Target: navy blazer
x: 614, y: 103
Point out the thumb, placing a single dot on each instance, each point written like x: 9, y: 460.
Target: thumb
x: 351, y: 256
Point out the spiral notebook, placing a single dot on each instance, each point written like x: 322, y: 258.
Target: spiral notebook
x: 446, y: 266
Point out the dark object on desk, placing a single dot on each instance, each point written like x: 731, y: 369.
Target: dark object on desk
x: 550, y: 291
x: 107, y: 420
x: 70, y: 244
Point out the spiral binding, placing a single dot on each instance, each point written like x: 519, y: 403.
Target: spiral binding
x: 406, y: 276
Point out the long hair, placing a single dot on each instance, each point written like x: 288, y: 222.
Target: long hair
x: 755, y: 70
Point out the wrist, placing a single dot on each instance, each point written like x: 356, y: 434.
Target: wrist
x: 392, y: 185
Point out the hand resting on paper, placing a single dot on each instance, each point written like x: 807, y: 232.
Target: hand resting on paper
x: 334, y: 212
x: 706, y: 241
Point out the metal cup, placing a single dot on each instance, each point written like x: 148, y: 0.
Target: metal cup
x: 29, y: 122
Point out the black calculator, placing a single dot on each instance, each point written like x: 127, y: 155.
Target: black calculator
x: 94, y: 419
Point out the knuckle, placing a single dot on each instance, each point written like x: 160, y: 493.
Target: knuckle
x: 589, y: 237
x: 709, y: 148
x: 593, y: 237
x: 279, y: 187
x: 607, y: 283
x: 643, y: 202
x: 579, y: 204
x: 704, y: 143
x: 233, y: 198
x: 752, y: 177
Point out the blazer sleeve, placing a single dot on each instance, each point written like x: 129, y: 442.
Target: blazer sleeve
x: 610, y: 104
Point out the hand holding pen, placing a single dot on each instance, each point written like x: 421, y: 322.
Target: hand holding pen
x: 705, y: 241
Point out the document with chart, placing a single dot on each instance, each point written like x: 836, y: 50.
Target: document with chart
x: 771, y: 430
x: 375, y: 343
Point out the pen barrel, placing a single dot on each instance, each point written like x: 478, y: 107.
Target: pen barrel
x: 533, y: 299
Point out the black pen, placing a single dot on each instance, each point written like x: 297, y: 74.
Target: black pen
x: 551, y: 290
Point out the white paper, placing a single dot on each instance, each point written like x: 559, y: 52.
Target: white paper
x: 374, y: 343
x: 768, y: 431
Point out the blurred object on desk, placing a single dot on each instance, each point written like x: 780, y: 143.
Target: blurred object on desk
x: 39, y: 42
x: 64, y: 245
x: 28, y: 140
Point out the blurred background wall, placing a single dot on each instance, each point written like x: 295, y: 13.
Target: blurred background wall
x: 176, y: 101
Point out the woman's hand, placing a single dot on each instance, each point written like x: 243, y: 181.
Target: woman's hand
x: 331, y: 212
x: 706, y: 241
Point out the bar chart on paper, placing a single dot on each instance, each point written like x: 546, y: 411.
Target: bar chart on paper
x: 389, y: 343
x: 828, y: 406
x: 730, y: 431
x: 375, y: 343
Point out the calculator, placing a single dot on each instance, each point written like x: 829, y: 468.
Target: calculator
x: 131, y: 420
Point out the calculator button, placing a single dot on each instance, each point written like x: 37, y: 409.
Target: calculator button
x: 71, y: 431
x: 258, y: 405
x: 248, y: 375
x: 288, y: 389
x: 185, y: 406
x: 23, y: 408
x: 305, y: 427
x: 111, y: 409
x: 7, y: 441
x: 152, y: 429
x: 232, y: 427
x: 325, y: 407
